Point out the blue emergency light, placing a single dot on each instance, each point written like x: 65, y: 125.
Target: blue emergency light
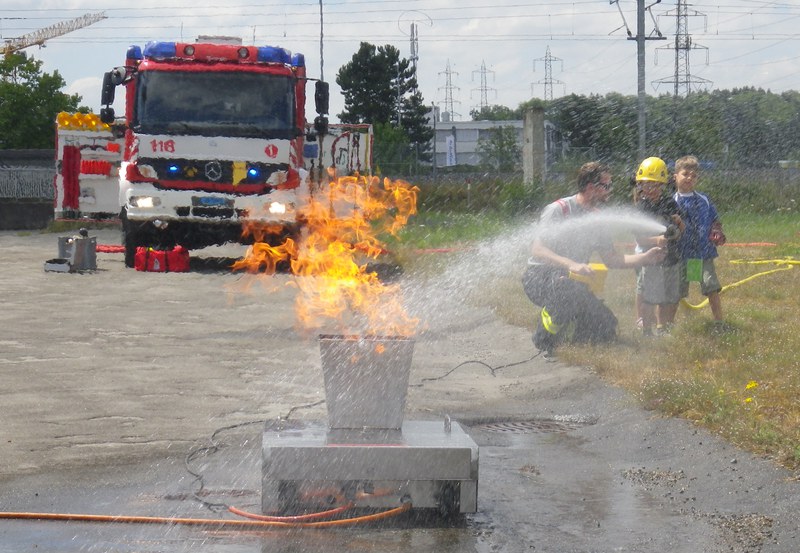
x: 160, y: 50
x: 173, y: 169
x: 253, y: 173
x: 134, y: 52
x: 274, y: 54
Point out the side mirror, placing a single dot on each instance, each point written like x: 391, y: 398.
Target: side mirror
x: 107, y: 115
x: 322, y: 97
x: 321, y: 126
x: 107, y: 93
x: 119, y: 75
x: 111, y: 80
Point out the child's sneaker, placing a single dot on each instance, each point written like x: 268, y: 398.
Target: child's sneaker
x: 664, y: 330
x: 721, y: 327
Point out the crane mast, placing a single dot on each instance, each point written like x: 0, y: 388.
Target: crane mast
x: 39, y: 36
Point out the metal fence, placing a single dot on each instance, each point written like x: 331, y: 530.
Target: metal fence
x: 27, y: 182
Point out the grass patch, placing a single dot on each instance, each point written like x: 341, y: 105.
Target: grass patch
x: 439, y: 230
x: 742, y: 383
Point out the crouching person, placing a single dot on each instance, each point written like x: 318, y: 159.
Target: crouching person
x: 561, y: 248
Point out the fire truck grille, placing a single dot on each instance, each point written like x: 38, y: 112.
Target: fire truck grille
x: 213, y: 171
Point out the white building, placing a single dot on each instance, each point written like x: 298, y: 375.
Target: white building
x: 456, y: 142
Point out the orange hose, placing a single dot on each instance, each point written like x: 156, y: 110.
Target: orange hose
x: 220, y: 523
x: 290, y: 518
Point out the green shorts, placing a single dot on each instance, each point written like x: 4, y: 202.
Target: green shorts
x: 708, y: 285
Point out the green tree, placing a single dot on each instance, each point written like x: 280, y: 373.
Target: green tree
x: 391, y: 151
x: 380, y: 87
x: 578, y: 118
x: 29, y: 103
x: 494, y: 113
x: 504, y: 113
x: 414, y: 120
x: 500, y: 149
x: 739, y: 128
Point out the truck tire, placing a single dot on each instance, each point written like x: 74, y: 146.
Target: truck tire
x: 130, y: 240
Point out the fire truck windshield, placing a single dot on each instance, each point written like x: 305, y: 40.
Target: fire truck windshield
x: 215, y: 103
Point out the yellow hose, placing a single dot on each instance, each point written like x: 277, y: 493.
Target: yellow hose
x: 784, y: 261
x: 789, y: 262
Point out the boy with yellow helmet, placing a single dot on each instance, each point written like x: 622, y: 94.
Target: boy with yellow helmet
x: 658, y: 285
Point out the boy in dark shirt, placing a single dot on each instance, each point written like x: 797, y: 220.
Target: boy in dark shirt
x: 659, y: 285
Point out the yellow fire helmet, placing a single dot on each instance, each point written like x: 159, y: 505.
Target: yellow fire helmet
x: 652, y: 169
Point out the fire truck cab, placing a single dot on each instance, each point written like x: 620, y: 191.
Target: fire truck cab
x: 213, y: 140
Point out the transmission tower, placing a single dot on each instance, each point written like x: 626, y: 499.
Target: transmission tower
x: 449, y: 102
x: 484, y: 88
x: 548, y: 81
x: 40, y: 36
x: 683, y: 82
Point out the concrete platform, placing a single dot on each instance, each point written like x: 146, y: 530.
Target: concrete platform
x: 433, y: 464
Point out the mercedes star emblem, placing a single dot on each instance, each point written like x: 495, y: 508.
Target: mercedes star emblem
x: 213, y: 170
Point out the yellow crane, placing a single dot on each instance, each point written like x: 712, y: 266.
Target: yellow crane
x: 40, y: 36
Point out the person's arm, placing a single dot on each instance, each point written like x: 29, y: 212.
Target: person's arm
x: 716, y: 236
x: 650, y: 241
x: 545, y: 254
x: 615, y: 260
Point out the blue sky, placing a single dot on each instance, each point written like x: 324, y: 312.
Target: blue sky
x: 494, y: 50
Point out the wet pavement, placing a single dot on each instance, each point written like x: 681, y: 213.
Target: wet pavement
x: 112, y: 378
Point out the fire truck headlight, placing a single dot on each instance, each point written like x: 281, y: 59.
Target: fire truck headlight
x: 145, y: 202
x: 147, y: 171
x: 277, y: 208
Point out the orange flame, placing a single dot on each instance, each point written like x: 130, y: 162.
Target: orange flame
x: 341, y: 228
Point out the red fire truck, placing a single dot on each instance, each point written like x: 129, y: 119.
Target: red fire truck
x: 214, y: 136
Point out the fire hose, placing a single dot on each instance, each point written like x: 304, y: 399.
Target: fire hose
x: 788, y: 262
x: 254, y: 522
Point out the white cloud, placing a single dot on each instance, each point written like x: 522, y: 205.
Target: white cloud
x: 89, y: 90
x: 747, y: 41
